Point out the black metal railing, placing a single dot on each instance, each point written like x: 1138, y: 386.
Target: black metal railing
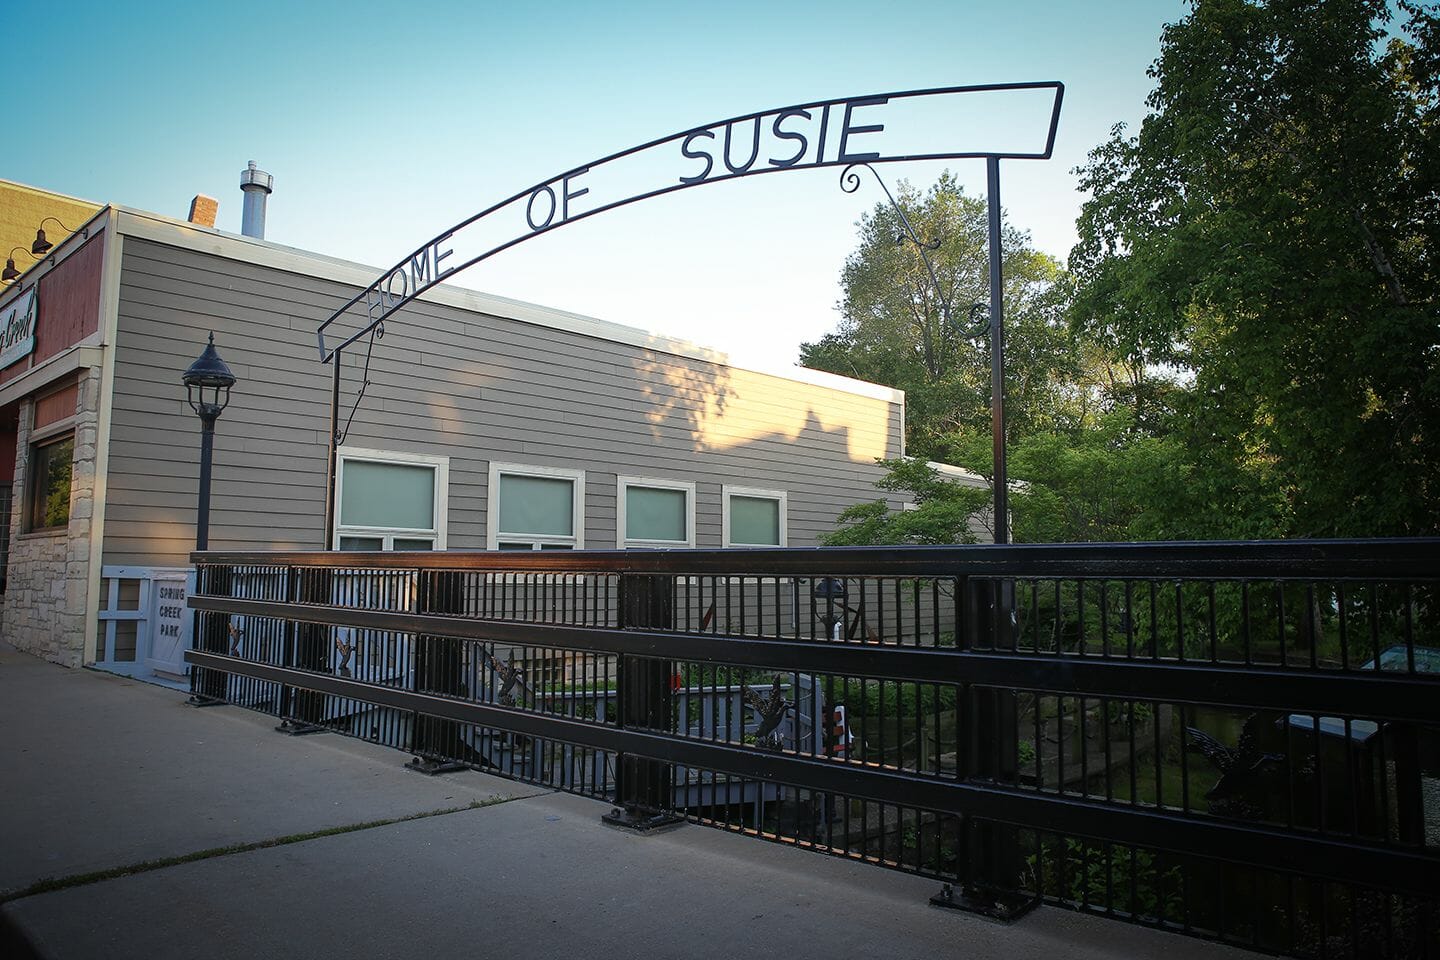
x: 1235, y: 740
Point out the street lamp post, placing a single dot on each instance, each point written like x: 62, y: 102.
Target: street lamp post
x: 207, y: 387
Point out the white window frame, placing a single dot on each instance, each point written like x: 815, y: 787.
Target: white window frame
x: 623, y: 483
x: 387, y: 535
x: 727, y: 491
x: 493, y: 533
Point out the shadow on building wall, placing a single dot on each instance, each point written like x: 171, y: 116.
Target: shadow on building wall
x: 727, y: 409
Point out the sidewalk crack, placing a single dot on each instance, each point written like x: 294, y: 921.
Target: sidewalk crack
x: 52, y: 884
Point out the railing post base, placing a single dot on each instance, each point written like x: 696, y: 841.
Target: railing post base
x: 999, y: 908
x: 432, y: 767
x: 200, y: 700
x: 298, y: 728
x: 640, y: 820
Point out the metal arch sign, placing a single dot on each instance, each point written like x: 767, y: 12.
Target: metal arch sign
x: 883, y: 128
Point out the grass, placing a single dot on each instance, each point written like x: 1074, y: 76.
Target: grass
x: 52, y: 884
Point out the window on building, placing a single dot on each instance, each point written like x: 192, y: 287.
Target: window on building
x: 535, y: 508
x: 52, y: 464
x: 391, y: 501
x: 654, y: 513
x: 754, y: 518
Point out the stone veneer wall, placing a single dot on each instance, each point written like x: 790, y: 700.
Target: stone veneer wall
x: 46, y: 596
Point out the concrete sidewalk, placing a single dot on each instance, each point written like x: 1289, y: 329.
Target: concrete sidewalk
x: 101, y: 772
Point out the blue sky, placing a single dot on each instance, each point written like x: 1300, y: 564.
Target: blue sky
x: 385, y: 123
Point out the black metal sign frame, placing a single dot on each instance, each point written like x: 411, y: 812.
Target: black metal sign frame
x: 547, y: 205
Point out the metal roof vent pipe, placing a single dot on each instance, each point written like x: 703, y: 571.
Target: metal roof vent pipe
x: 256, y: 185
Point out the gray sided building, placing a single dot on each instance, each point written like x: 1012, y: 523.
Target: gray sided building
x: 488, y: 424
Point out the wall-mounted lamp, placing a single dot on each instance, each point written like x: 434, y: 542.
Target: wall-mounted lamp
x: 10, y: 273
x: 41, y: 245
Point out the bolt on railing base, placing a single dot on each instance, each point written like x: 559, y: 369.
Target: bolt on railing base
x: 639, y: 820
x: 200, y: 700
x: 433, y: 767
x: 996, y: 907
x: 297, y: 728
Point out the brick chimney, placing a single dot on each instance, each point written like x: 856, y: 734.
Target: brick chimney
x: 203, y: 210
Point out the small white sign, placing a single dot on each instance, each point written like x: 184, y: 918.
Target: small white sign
x: 17, y: 329
x: 170, y: 630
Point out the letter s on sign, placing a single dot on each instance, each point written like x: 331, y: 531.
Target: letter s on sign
x: 789, y: 135
x: 697, y: 155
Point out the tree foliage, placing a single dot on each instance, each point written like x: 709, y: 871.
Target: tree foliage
x: 894, y: 331
x: 944, y: 510
x: 1096, y: 484
x: 1253, y: 342
x: 1270, y: 233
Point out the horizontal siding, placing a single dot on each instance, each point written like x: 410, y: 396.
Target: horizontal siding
x: 447, y: 382
x: 434, y: 339
x: 399, y: 387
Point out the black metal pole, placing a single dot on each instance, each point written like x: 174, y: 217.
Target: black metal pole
x: 207, y: 687
x: 997, y: 355
x: 435, y: 742
x: 644, y: 788
x: 333, y: 463
x: 207, y: 449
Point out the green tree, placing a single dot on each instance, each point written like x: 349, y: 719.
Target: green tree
x: 944, y: 510
x: 1108, y: 482
x: 1269, y: 236
x: 1074, y: 435
x: 894, y: 331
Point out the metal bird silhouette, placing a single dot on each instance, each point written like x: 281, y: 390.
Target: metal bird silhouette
x: 509, y: 676
x: 771, y: 709
x: 1239, y: 766
x: 346, y: 649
